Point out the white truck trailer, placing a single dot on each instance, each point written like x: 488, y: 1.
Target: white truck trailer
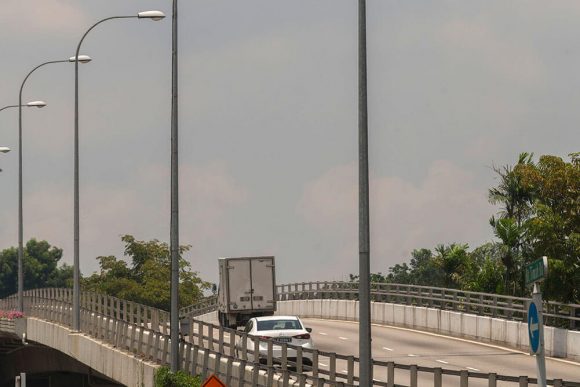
x: 247, y: 289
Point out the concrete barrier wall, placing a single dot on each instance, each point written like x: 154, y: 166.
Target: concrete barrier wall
x: 558, y: 342
x: 123, y: 366
x: 109, y: 361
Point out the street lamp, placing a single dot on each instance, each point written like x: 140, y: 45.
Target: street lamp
x: 76, y: 318
x: 76, y: 59
x: 4, y: 149
x: 38, y: 104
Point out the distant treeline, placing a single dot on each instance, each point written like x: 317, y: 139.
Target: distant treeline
x: 539, y: 215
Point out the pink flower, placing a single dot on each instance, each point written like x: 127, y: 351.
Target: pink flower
x: 11, y: 315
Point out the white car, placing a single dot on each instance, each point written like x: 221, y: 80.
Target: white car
x: 282, y: 329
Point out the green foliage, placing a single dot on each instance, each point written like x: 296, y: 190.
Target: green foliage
x: 147, y: 279
x: 553, y: 225
x: 165, y: 378
x: 539, y: 216
x: 40, y: 266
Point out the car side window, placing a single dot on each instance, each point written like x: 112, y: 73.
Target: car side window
x: 249, y: 326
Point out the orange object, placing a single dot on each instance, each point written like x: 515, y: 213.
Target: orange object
x: 213, y: 381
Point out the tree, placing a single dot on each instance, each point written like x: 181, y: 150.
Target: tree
x: 485, y: 270
x: 554, y: 223
x: 515, y: 198
x: 454, y: 262
x: 40, y: 267
x: 147, y: 279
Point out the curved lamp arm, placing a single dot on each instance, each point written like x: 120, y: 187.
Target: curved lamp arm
x: 38, y: 104
x: 153, y: 15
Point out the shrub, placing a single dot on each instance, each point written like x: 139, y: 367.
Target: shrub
x: 11, y: 315
x: 165, y: 378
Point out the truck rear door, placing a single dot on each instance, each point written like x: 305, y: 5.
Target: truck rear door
x: 262, y: 283
x: 240, y: 284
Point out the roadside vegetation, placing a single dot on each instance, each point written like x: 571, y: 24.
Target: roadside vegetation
x: 145, y: 279
x: 539, y: 215
x: 165, y: 378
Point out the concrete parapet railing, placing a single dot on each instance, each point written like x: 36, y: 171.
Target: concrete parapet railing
x: 212, y: 348
x: 559, y: 342
x: 483, y: 304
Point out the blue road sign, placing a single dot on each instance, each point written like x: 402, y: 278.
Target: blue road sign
x: 534, y: 327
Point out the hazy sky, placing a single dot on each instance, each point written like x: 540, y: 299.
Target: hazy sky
x: 268, y: 123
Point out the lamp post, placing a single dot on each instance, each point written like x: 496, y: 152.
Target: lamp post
x: 365, y: 365
x: 76, y: 318
x: 174, y: 222
x: 37, y: 104
x: 75, y: 59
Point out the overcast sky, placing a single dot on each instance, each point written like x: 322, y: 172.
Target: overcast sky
x: 268, y: 123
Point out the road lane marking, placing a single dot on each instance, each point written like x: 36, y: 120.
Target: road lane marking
x: 442, y: 361
x: 386, y: 326
x: 323, y: 334
x: 471, y: 368
x: 342, y: 338
x: 344, y: 371
x: 322, y: 364
x: 412, y: 355
x: 387, y: 349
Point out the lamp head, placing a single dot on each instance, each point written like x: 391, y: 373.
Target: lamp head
x: 82, y: 59
x: 39, y: 104
x: 4, y: 149
x: 153, y: 15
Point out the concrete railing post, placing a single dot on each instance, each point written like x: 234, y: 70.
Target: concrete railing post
x: 437, y: 377
x: 464, y: 378
x: 413, y: 376
x: 492, y: 380
x: 350, y: 370
x: 390, y: 374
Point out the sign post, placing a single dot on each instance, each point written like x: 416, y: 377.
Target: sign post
x: 536, y: 272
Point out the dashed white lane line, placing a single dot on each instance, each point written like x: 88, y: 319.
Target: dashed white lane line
x: 575, y: 363
x: 323, y: 334
x: 411, y: 355
x: 442, y: 361
x: 344, y: 371
x: 322, y: 364
x: 343, y: 338
x: 388, y: 349
x: 473, y: 369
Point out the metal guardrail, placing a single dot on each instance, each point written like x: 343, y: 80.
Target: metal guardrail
x: 144, y: 331
x: 207, y: 305
x: 109, y: 306
x: 239, y: 349
x: 484, y: 304
x: 493, y: 305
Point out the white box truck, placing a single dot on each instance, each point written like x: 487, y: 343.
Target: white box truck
x: 247, y: 289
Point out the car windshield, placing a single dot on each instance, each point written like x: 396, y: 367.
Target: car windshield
x: 271, y: 325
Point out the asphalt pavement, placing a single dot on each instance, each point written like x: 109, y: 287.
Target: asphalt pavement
x: 405, y: 346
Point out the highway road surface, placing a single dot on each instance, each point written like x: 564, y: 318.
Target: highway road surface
x: 405, y: 346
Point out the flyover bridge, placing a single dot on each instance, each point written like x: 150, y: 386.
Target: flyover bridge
x: 127, y: 341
